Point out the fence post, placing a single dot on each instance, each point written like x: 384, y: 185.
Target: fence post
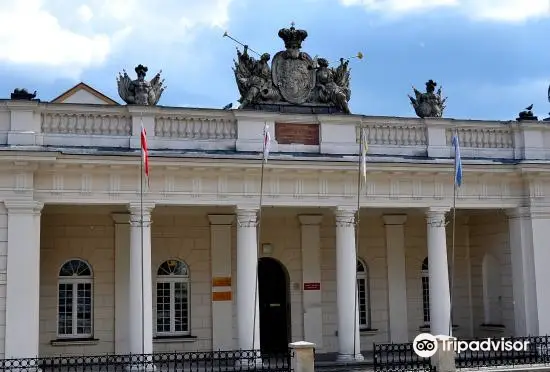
x: 303, y: 357
x: 444, y: 358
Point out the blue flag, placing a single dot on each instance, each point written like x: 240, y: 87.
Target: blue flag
x: 458, y: 161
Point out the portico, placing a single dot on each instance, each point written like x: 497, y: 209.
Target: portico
x: 314, y: 245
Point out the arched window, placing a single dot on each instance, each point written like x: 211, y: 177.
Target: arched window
x: 425, y: 291
x: 363, y: 294
x: 173, y: 298
x: 74, y: 310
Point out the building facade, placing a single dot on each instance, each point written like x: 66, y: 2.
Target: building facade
x: 79, y: 237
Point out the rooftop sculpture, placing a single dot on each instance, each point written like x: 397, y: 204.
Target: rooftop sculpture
x: 22, y: 94
x: 140, y: 91
x: 429, y: 104
x: 294, y: 82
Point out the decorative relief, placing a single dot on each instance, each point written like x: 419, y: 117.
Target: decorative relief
x: 114, y: 183
x: 298, y: 188
x: 20, y: 182
x: 344, y: 217
x: 417, y: 189
x: 169, y: 184
x: 247, y: 217
x: 196, y: 187
x: 439, y: 190
x: 57, y: 183
x: 222, y: 186
x: 483, y: 188
x: 274, y: 186
x: 323, y: 187
x: 436, y: 217
x: 140, y: 212
x: 394, y: 188
x: 86, y: 183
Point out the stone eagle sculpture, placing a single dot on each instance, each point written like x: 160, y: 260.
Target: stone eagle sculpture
x: 140, y: 91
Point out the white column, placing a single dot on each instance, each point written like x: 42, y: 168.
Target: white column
x: 311, y: 276
x: 540, y: 222
x: 397, y: 278
x: 140, y: 315
x: 23, y: 279
x: 222, y: 304
x: 248, y: 315
x: 438, y: 271
x: 122, y: 282
x: 523, y: 273
x: 349, y: 347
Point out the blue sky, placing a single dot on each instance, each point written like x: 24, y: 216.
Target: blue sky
x: 490, y: 56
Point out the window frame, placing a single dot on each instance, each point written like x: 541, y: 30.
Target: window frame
x: 74, y: 281
x: 364, y: 276
x: 172, y: 279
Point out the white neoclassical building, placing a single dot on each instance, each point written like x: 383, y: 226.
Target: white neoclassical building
x: 74, y: 255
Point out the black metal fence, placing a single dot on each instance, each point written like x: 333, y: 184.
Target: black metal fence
x: 213, y: 361
x: 399, y: 357
x: 504, y: 351
x: 471, y: 353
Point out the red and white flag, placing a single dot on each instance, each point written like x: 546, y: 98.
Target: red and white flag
x: 267, y: 142
x: 145, y: 152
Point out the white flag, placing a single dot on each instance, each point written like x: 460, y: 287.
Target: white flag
x: 267, y: 142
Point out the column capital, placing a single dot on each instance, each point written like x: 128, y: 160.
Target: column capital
x: 15, y: 206
x: 345, y: 216
x: 435, y: 216
x: 137, y: 210
x: 120, y: 217
x: 310, y: 219
x: 247, y: 216
x: 394, y: 219
x: 221, y: 219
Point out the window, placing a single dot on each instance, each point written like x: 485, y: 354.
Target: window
x: 172, y: 299
x: 425, y: 291
x: 363, y: 294
x: 74, y: 311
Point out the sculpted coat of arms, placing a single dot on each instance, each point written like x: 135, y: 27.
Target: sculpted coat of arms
x: 293, y: 79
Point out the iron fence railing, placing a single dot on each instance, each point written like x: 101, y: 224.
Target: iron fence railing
x: 469, y: 353
x: 212, y: 361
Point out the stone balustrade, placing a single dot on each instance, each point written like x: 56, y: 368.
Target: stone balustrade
x: 30, y: 123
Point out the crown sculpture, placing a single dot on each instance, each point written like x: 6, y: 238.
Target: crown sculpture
x: 140, y: 91
x: 294, y: 82
x: 429, y: 104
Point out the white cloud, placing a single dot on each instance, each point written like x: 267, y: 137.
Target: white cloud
x: 85, y: 13
x: 493, y: 10
x: 66, y: 38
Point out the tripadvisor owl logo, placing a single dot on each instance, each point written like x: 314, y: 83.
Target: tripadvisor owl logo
x: 425, y: 345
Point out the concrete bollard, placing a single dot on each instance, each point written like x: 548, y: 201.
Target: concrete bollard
x: 444, y: 357
x: 303, y: 358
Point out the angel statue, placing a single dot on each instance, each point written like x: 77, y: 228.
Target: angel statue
x: 332, y: 85
x: 140, y: 91
x: 254, y: 79
x: 429, y: 104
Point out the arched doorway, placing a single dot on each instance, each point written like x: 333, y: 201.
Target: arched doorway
x: 274, y: 301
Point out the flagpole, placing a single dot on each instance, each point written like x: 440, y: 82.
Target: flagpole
x: 258, y: 233
x: 142, y: 240
x: 453, y: 242
x: 360, y: 163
